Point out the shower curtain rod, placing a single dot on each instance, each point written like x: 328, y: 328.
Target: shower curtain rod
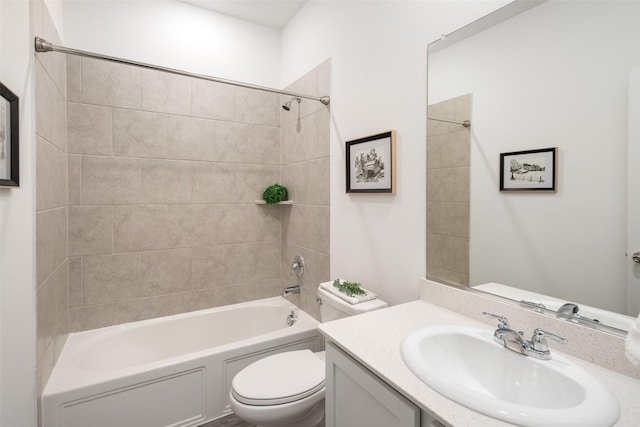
x: 465, y: 123
x: 42, y: 45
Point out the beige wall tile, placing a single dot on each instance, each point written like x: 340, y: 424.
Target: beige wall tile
x: 139, y: 134
x: 213, y: 100
x: 165, y: 92
x: 190, y: 138
x: 50, y: 109
x: 214, y: 266
x: 74, y: 179
x: 234, y: 142
x: 448, y: 184
x: 89, y: 129
x: 166, y: 272
x: 267, y: 140
x: 265, y: 258
x: 252, y: 180
x: 184, y: 302
x: 308, y: 227
x: 166, y: 181
x: 75, y: 282
x: 138, y: 309
x: 111, y: 278
x: 54, y: 62
x: 51, y: 176
x: 214, y: 183
x: 458, y: 109
x: 269, y: 288
x: 450, y: 253
x: 257, y: 107
x: 205, y: 225
x: 90, y: 317
x: 51, y: 241
x: 139, y: 228
x: 268, y: 222
x: 312, y: 179
x: 233, y: 294
x: 110, y: 180
x: 449, y: 150
x: 74, y: 78
x: 448, y: 218
x: 111, y: 84
x: 51, y: 307
x: 90, y: 230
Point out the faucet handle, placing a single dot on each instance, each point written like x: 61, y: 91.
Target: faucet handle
x: 539, y: 342
x: 503, y: 322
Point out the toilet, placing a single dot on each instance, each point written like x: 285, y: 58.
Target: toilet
x: 287, y: 389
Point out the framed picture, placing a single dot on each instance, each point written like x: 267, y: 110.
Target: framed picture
x: 532, y: 170
x: 371, y: 164
x: 9, y: 127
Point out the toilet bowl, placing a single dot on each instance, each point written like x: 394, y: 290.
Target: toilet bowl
x: 287, y: 389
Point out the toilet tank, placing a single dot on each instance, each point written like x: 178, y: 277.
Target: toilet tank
x: 333, y: 307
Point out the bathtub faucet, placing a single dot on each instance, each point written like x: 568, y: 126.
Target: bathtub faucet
x: 292, y: 290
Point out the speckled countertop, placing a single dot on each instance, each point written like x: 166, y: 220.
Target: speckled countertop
x: 374, y: 340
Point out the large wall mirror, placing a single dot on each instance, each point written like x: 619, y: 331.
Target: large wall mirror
x: 536, y: 75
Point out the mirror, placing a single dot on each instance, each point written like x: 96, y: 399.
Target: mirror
x: 535, y: 76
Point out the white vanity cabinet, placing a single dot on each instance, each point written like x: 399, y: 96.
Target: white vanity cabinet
x: 357, y: 397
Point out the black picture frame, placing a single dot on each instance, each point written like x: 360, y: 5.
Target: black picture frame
x: 371, y: 164
x: 9, y: 138
x: 529, y: 170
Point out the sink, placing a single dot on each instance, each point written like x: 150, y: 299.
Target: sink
x: 469, y: 367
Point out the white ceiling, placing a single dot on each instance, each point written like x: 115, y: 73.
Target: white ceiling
x: 271, y: 13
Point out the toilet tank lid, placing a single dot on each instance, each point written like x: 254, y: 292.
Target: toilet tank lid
x: 280, y: 378
x: 351, y: 309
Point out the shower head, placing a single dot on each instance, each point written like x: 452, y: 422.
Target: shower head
x: 287, y: 105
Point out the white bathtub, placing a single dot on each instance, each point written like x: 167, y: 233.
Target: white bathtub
x: 170, y: 371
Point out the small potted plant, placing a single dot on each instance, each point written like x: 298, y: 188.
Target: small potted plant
x: 275, y: 193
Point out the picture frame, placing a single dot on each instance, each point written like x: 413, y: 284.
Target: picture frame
x: 530, y: 170
x: 9, y: 138
x: 371, y: 164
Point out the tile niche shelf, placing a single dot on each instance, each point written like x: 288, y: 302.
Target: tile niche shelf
x: 286, y: 202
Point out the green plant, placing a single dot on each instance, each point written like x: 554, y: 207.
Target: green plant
x: 275, y: 194
x: 349, y: 288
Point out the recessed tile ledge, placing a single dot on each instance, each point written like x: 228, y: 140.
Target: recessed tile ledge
x: 379, y: 351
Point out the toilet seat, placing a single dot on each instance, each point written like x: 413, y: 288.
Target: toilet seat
x: 279, y: 379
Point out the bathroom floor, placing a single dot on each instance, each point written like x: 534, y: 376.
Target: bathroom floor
x: 228, y: 421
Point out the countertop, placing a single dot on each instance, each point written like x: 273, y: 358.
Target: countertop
x: 374, y: 338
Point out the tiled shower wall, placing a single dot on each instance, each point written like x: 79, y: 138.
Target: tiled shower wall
x: 51, y: 198
x: 448, y: 168
x: 163, y: 174
x: 305, y: 172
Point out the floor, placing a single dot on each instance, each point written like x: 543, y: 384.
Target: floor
x: 228, y: 421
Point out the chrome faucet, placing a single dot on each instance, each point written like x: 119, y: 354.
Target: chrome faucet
x: 292, y: 290
x: 569, y: 311
x: 537, y: 347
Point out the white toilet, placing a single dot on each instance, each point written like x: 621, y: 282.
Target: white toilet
x: 287, y: 389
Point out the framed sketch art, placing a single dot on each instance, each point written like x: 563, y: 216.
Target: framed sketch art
x: 371, y: 164
x: 9, y: 161
x: 532, y: 170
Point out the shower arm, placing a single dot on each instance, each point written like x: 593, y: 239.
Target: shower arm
x: 41, y: 45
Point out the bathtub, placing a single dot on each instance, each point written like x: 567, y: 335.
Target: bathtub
x: 170, y: 371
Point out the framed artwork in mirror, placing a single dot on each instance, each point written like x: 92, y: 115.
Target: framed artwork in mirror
x: 9, y: 127
x: 371, y: 164
x: 531, y: 170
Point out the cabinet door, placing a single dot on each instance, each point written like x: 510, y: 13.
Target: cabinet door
x: 356, y: 397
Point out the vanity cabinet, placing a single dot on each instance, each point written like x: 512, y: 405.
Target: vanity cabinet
x: 357, y: 397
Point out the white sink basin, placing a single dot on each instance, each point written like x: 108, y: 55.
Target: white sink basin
x: 467, y: 366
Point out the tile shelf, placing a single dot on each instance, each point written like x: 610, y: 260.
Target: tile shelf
x: 286, y: 202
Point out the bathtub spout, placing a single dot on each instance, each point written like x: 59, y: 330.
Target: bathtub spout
x: 292, y: 290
